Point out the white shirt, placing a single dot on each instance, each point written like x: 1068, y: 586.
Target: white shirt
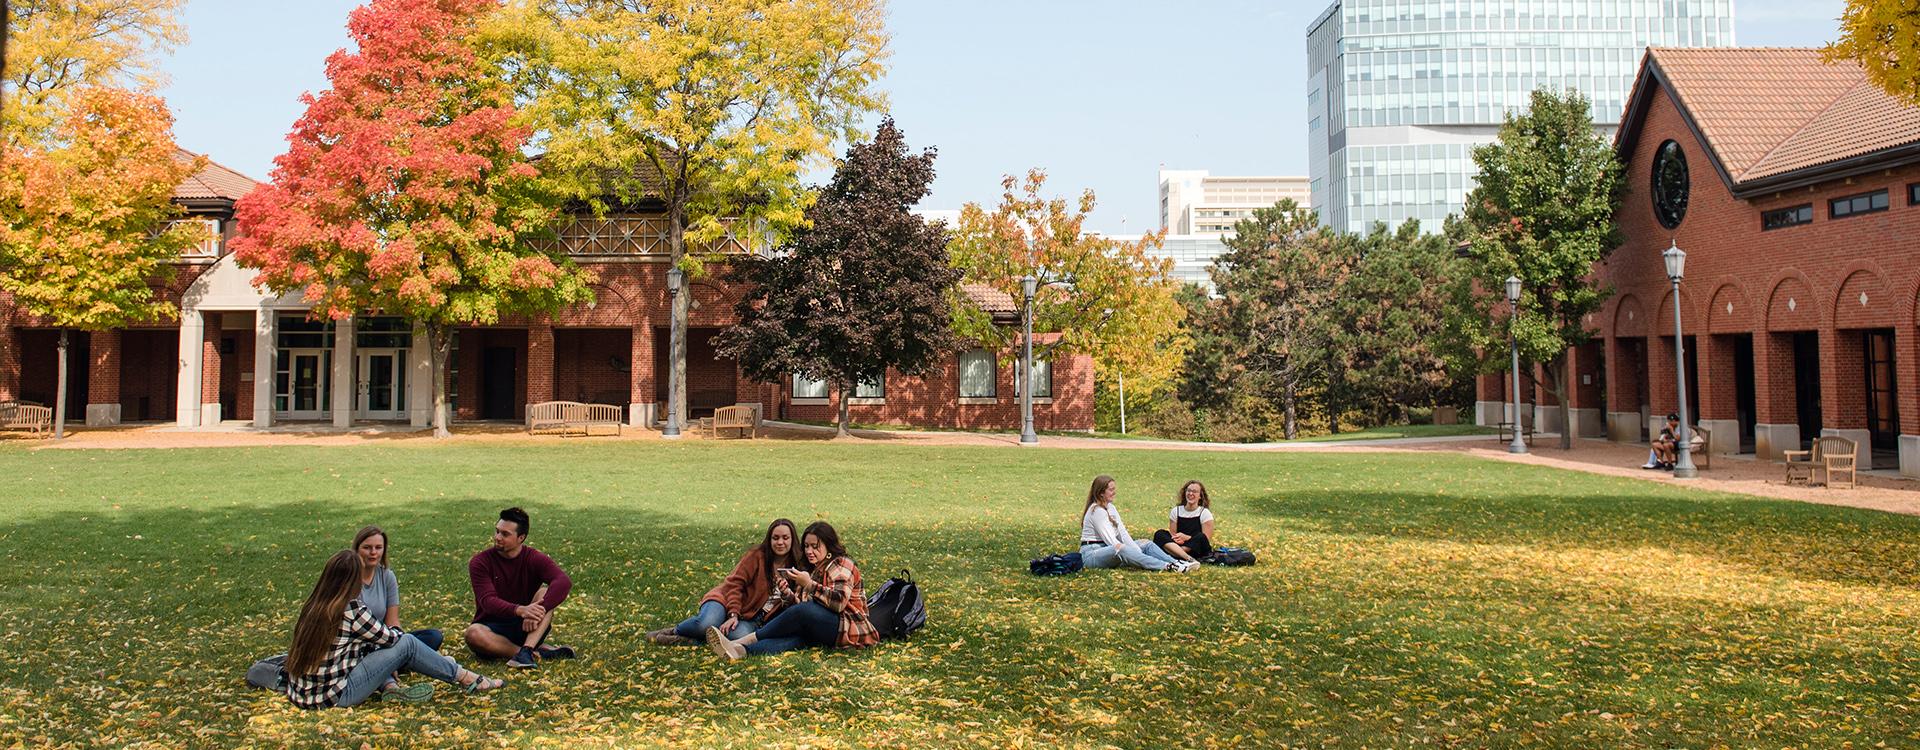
x: 1180, y: 511
x: 1103, y: 525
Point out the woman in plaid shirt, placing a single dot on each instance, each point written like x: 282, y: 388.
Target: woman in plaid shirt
x: 341, y: 655
x: 832, y: 608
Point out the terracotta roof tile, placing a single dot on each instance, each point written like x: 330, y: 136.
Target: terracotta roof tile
x: 212, y: 181
x: 993, y: 301
x: 1768, y: 111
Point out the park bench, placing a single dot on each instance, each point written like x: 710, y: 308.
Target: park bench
x: 1701, y: 452
x: 1832, y: 454
x: 572, y: 417
x: 737, y: 417
x: 26, y: 416
x: 1506, y: 432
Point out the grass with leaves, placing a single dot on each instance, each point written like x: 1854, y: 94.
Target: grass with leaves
x: 1401, y: 600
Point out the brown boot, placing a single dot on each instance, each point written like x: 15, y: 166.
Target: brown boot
x: 666, y: 637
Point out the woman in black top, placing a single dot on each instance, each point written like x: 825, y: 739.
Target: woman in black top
x: 1189, y: 531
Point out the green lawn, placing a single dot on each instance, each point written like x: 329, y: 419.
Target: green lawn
x: 1400, y: 601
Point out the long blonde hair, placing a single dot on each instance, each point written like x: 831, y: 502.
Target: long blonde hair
x: 319, y: 619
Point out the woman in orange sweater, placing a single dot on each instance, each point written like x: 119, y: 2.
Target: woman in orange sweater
x: 751, y: 595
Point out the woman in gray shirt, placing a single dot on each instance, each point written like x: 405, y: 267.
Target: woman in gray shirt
x: 380, y: 590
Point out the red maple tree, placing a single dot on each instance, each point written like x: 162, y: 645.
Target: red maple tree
x: 404, y: 190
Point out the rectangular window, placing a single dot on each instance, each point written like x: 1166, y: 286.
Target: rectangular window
x: 1787, y: 217
x: 804, y: 388
x: 383, y: 332
x: 976, y: 374
x: 1913, y: 194
x: 876, y: 388
x: 1042, y: 379
x: 297, y: 332
x: 1854, y: 205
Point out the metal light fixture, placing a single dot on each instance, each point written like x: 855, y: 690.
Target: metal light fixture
x: 1513, y: 306
x: 1676, y: 260
x: 1028, y: 285
x: 674, y: 279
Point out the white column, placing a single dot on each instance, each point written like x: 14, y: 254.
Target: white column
x: 187, y: 389
x: 420, y: 378
x: 344, y: 373
x: 265, y: 327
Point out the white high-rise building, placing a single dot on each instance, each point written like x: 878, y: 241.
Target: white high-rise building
x: 1195, y: 202
x: 1401, y: 91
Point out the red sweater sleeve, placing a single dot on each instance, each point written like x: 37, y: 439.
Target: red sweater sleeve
x: 549, y: 573
x: 487, y: 602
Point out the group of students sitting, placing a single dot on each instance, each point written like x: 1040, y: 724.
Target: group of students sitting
x: 1188, y: 537
x: 348, y: 646
x: 797, y: 588
x: 1666, y: 446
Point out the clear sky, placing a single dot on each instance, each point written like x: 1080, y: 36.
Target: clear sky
x: 1099, y: 93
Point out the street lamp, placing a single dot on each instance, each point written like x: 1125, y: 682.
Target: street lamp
x: 1513, y: 306
x: 1683, y: 443
x: 1028, y: 285
x: 674, y: 277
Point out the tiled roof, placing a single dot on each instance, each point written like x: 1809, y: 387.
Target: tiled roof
x: 213, y: 181
x: 1767, y: 112
x: 995, y: 302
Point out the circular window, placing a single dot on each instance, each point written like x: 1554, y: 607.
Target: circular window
x: 1670, y: 184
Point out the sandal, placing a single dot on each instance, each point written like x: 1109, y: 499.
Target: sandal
x: 482, y: 683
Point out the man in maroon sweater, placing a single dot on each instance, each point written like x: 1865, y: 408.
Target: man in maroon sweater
x: 508, y: 621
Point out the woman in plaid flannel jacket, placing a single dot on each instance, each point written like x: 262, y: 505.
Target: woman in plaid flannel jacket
x: 341, y: 655
x: 832, y: 608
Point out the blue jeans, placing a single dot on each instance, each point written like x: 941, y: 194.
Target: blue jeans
x: 803, y: 624
x: 711, y: 614
x: 1141, y: 554
x: 376, y: 668
x: 430, y: 637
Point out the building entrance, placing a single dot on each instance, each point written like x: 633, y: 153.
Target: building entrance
x: 1883, y: 411
x: 380, y: 384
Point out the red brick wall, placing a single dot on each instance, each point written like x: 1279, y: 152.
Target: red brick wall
x: 934, y: 401
x: 469, y: 389
x: 9, y: 358
x: 103, y: 357
x: 584, y: 362
x: 148, y: 370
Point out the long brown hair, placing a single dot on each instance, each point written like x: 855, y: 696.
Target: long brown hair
x: 368, y: 532
x: 1180, y: 498
x: 793, y: 548
x: 1100, y: 485
x: 828, y: 538
x: 320, y: 618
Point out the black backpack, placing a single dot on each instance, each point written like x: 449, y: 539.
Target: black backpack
x: 1230, y: 556
x: 897, y: 608
x: 1055, y: 565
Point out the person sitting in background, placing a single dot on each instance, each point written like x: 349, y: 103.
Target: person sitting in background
x: 1189, y: 532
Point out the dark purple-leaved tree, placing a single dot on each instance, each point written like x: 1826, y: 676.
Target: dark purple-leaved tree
x: 861, y: 290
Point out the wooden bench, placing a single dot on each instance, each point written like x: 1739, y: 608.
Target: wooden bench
x: 26, y: 416
x: 572, y: 417
x: 1702, y: 450
x: 736, y: 417
x: 1832, y: 454
x: 1506, y: 432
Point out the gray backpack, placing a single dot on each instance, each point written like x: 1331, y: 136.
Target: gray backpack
x: 269, y: 673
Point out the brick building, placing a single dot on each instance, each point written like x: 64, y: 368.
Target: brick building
x: 1794, y: 188
x: 237, y: 353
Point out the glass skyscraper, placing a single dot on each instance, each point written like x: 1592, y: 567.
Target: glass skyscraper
x: 1401, y: 91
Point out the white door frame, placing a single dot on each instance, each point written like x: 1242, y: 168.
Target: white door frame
x: 397, y: 384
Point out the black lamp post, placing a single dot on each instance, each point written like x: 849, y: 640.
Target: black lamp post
x: 672, y: 428
x: 1513, y: 305
x: 1683, y: 443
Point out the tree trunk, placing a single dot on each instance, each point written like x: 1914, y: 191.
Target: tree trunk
x: 1558, y: 374
x: 60, y: 392
x: 1289, y: 425
x: 682, y: 306
x: 439, y: 345
x: 846, y: 395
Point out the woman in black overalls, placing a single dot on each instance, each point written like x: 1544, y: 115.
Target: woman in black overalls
x: 1189, y: 531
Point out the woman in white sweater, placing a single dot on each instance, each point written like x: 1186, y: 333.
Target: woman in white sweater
x: 1105, y: 543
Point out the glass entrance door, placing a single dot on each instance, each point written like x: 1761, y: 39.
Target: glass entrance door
x: 1883, y: 411
x: 380, y: 387
x: 300, y: 384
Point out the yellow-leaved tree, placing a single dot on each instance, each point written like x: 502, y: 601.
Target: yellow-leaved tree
x: 56, y: 47
x: 712, y: 109
x: 1883, y: 36
x: 1105, y: 297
